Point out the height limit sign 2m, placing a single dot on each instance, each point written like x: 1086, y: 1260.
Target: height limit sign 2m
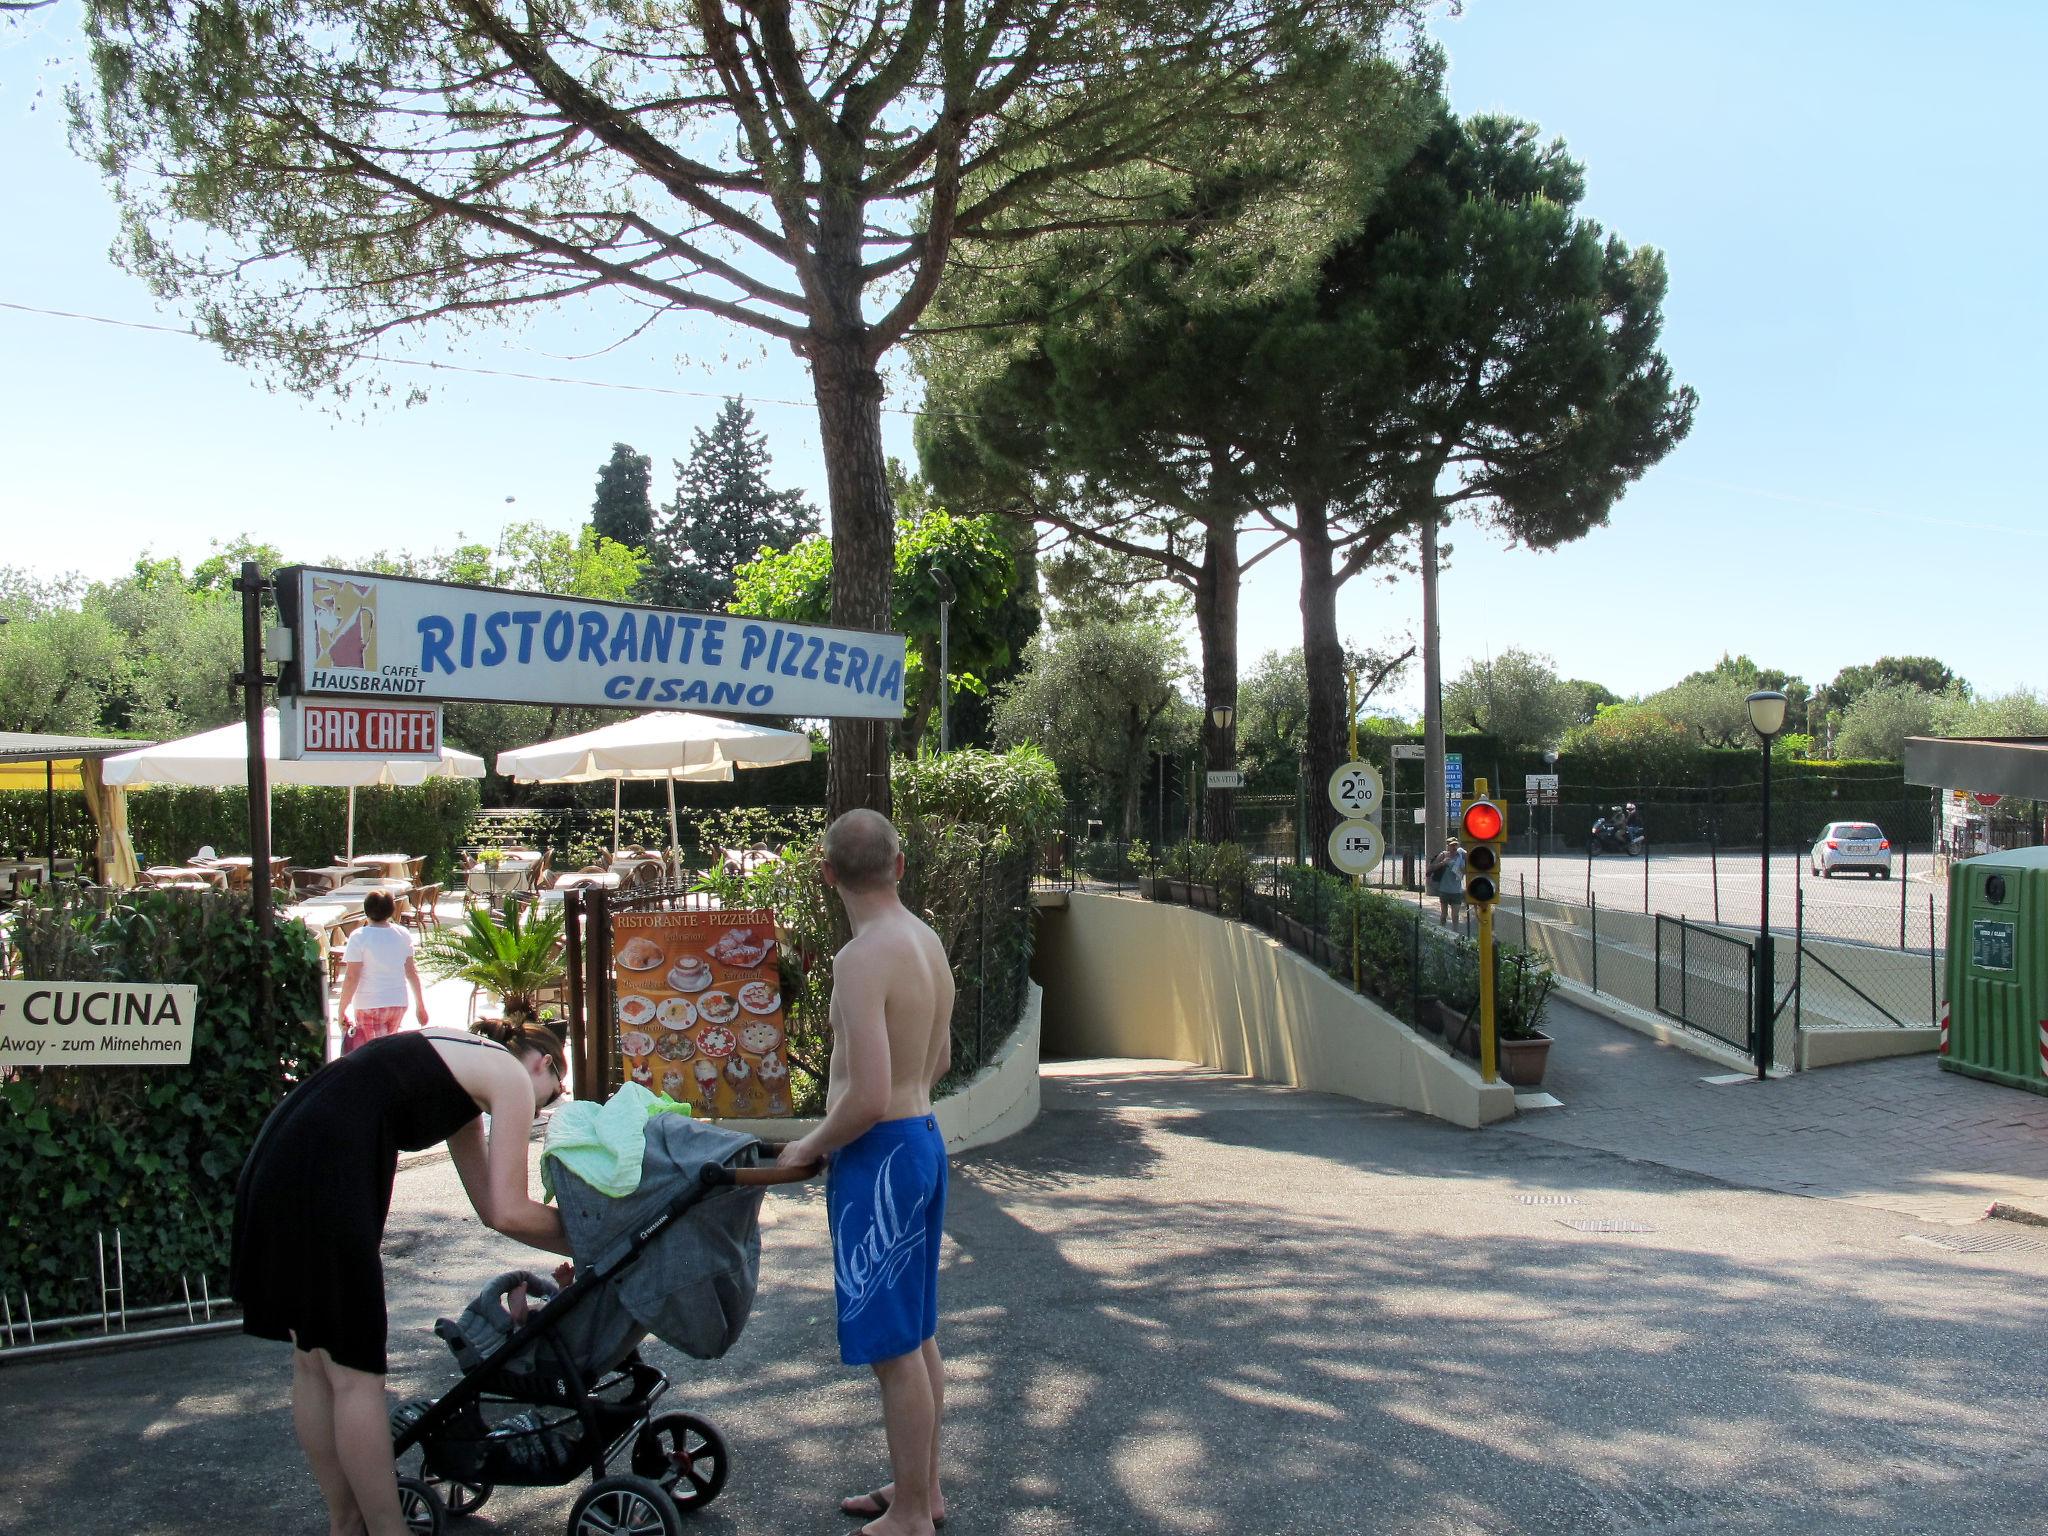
x: 1356, y: 846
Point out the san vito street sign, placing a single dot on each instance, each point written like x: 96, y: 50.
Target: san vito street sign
x: 356, y: 633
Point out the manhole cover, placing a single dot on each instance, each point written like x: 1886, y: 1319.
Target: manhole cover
x: 1546, y: 1199
x: 1607, y: 1224
x: 1969, y: 1240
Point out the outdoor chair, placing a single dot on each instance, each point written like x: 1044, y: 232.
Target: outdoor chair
x: 421, y: 911
x: 414, y: 869
x: 337, y: 947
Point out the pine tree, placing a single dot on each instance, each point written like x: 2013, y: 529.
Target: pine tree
x: 723, y: 515
x: 624, y: 509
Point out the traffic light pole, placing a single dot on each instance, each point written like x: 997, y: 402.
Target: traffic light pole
x: 1488, y: 1049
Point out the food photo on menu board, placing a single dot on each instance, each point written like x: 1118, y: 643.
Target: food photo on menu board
x: 700, y: 1010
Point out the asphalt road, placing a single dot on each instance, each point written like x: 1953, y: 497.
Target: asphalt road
x: 1855, y: 907
x: 1188, y: 1303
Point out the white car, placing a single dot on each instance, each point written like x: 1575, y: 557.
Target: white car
x: 1852, y: 845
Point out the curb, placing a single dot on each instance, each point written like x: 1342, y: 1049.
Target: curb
x: 2001, y: 1211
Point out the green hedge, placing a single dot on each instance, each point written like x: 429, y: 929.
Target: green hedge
x: 150, y: 1151
x: 307, y: 825
x: 971, y: 823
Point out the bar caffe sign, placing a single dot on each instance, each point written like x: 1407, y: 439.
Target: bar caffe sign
x: 95, y: 1024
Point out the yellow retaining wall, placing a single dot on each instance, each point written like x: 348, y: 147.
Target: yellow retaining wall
x: 1126, y: 977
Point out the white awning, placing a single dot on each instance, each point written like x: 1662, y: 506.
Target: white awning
x: 219, y: 759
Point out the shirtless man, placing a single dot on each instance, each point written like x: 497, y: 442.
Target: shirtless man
x: 892, y: 1040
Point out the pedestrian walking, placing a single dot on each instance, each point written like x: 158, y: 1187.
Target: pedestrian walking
x: 377, y: 971
x: 1447, y: 882
x: 885, y: 1194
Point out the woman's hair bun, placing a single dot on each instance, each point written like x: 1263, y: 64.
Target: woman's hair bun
x: 516, y: 1035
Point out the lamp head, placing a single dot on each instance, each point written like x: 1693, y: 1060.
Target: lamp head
x: 1223, y: 715
x: 1767, y: 712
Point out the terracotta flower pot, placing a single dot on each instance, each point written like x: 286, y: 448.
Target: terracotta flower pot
x: 1522, y: 1061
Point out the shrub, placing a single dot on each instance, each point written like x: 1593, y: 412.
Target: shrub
x: 969, y: 821
x: 152, y: 1151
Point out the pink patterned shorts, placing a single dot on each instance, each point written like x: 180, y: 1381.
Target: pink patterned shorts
x: 372, y: 1024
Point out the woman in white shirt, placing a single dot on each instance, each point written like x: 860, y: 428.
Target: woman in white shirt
x: 377, y: 971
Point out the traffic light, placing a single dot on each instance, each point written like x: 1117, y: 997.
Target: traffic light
x: 1485, y: 834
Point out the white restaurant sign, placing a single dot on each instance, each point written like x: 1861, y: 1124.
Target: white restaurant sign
x: 359, y: 634
x: 95, y: 1024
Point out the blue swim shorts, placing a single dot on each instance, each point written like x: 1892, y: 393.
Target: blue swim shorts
x: 885, y: 1197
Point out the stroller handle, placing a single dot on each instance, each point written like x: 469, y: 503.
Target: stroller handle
x: 754, y: 1178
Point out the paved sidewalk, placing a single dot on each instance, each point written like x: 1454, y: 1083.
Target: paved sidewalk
x: 1901, y: 1135
x: 1184, y: 1304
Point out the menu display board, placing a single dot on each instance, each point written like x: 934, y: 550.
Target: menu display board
x: 700, y: 1009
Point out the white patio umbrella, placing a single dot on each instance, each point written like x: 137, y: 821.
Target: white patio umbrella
x: 670, y: 745
x: 219, y: 759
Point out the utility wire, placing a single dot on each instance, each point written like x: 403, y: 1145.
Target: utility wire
x: 489, y: 373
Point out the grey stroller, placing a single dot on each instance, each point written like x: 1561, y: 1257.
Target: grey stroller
x: 564, y: 1391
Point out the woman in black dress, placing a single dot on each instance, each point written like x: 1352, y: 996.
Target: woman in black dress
x: 309, y: 1218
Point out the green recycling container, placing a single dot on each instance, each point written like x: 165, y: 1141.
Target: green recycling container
x: 1996, y: 1023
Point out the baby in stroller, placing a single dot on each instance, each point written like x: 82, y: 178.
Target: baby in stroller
x: 553, y: 1384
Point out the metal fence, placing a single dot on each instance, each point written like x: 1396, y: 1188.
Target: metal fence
x: 1707, y: 981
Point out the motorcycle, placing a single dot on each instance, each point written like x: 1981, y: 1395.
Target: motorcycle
x: 1612, y: 834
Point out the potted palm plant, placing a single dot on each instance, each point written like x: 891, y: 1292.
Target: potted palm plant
x: 516, y: 959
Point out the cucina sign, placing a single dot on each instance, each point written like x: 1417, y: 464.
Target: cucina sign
x: 89, y: 1023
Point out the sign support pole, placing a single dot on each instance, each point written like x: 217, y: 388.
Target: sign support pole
x: 251, y: 680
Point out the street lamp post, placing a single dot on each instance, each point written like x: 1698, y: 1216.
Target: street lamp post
x: 1221, y: 803
x: 1767, y: 716
x: 1222, y: 807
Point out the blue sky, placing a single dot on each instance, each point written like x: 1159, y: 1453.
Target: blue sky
x: 1847, y: 197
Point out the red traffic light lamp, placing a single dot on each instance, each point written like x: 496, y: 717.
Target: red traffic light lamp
x: 1485, y: 830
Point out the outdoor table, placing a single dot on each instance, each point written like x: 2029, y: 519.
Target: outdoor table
x: 491, y: 882
x: 360, y: 887
x: 332, y: 874
x: 609, y: 881
x: 322, y: 915
x: 627, y: 865
x: 394, y: 865
x: 180, y: 874
x: 278, y: 862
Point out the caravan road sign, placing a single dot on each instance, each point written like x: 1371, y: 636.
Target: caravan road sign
x: 1356, y: 847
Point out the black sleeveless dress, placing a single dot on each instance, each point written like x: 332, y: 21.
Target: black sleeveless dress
x: 312, y: 1199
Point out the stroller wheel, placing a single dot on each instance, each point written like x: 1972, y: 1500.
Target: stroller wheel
x: 425, y: 1514
x: 625, y: 1505
x: 685, y: 1454
x: 465, y: 1498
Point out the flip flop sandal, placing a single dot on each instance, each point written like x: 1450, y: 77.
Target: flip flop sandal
x: 881, y: 1502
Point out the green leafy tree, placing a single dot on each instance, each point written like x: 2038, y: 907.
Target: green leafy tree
x: 1630, y: 741
x: 795, y: 585
x: 1713, y: 704
x: 1831, y: 701
x: 2022, y: 712
x: 623, y: 509
x: 724, y: 514
x: 313, y: 179
x: 1468, y: 343
x: 1272, y: 720
x: 1883, y: 715
x: 1516, y: 696
x: 1587, y: 699
x: 58, y: 668
x: 1101, y: 698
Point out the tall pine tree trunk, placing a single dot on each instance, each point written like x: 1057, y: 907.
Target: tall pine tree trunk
x: 1322, y: 655
x: 849, y: 391
x: 1216, y: 597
